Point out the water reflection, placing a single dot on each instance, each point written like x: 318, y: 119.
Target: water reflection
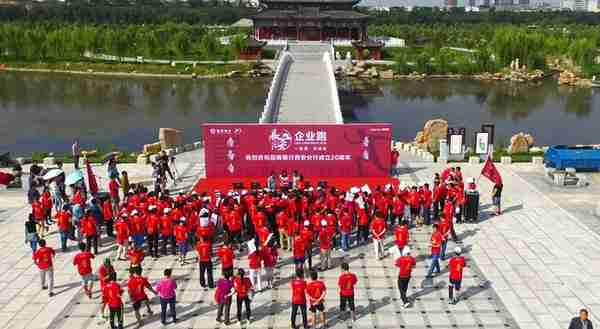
x: 540, y: 108
x: 44, y: 112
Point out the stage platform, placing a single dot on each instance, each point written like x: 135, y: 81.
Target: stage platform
x: 344, y: 183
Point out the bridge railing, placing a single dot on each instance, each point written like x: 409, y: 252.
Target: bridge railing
x: 335, y: 99
x: 269, y: 114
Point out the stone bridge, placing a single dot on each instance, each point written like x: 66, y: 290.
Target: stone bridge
x: 304, y: 87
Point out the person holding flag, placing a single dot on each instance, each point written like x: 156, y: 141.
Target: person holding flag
x: 490, y: 172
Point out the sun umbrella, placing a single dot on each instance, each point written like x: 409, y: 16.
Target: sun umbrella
x: 52, y: 173
x: 74, y: 177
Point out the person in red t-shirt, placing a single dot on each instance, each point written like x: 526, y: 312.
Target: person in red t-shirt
x: 298, y: 286
x: 136, y: 257
x: 405, y: 263
x: 90, y: 231
x: 346, y: 283
x: 255, y: 264
x: 38, y: 213
x: 325, y: 245
x: 243, y: 287
x: 282, y: 223
x: 436, y: 246
x: 166, y: 231
x: 136, y: 286
x: 269, y: 258
x: 227, y: 257
x: 42, y: 257
x: 299, y: 251
x: 378, y: 230
x: 427, y: 203
x: 83, y: 261
x: 346, y: 223
x: 111, y: 293
x: 316, y: 292
x: 401, y: 235
x: 152, y: 231
x: 456, y: 266
x: 363, y: 223
x: 181, y: 237
x: 204, y: 250
x: 122, y: 237
x: 63, y: 218
x: 113, y: 191
x: 307, y: 235
x: 107, y: 213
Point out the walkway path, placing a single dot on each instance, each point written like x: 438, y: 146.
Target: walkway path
x: 532, y: 267
x: 307, y: 92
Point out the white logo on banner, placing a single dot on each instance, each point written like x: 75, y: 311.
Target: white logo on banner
x: 280, y: 140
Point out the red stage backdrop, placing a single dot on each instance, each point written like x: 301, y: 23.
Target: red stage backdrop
x: 323, y: 150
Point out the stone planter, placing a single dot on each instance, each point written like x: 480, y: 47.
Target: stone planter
x: 474, y: 160
x: 506, y: 160
x: 538, y: 161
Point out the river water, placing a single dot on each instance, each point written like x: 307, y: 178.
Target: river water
x: 44, y: 112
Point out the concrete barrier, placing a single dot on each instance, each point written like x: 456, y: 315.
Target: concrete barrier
x: 142, y: 159
x: 429, y: 157
x: 506, y: 160
x: 153, y: 158
x: 443, y: 161
x: 170, y: 152
x: 538, y: 161
x: 198, y: 145
x: 406, y: 147
x: 474, y: 160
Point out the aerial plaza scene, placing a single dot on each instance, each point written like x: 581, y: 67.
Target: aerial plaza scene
x: 286, y: 188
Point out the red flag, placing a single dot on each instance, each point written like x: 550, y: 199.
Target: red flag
x: 489, y: 170
x: 92, y: 184
x: 5, y: 178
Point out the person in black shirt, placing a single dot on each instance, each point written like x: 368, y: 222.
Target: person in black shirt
x: 31, y: 236
x: 496, y: 197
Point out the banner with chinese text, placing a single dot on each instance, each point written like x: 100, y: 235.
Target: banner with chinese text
x: 318, y: 150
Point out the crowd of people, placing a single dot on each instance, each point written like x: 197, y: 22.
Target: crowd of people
x: 290, y: 218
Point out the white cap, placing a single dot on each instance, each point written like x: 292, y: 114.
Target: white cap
x: 406, y: 250
x: 244, y: 192
x: 182, y: 219
x: 323, y: 222
x: 306, y: 223
x: 457, y: 250
x: 167, y: 210
x: 194, y: 193
x: 310, y: 189
x: 134, y: 212
x: 151, y: 207
x: 203, y: 212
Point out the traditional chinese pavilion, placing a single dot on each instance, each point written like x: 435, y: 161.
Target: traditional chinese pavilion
x: 310, y: 20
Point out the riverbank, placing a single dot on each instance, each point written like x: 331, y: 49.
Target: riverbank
x: 179, y: 71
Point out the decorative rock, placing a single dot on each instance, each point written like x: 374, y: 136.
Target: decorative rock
x: 429, y: 157
x: 474, y: 160
x: 433, y: 131
x: 538, y: 161
x: 406, y: 147
x: 520, y: 143
x: 197, y: 145
x: 170, y: 137
x: 22, y: 161
x: 49, y: 161
x: 442, y: 161
x: 152, y: 148
x: 506, y: 160
x: 142, y: 159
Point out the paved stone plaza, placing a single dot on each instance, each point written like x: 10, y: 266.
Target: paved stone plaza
x: 532, y: 267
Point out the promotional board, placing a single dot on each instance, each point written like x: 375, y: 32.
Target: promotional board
x: 318, y: 150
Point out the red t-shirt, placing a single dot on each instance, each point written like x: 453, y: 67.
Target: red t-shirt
x: 64, y: 221
x: 405, y: 264
x: 282, y: 220
x: 135, y: 286
x: 242, y: 286
x: 88, y: 226
x: 227, y: 256
x: 235, y: 221
x: 37, y: 210
x: 298, y: 291
x: 269, y: 256
x: 346, y: 223
x: 181, y: 233
x: 113, y: 188
x: 401, y: 235
x: 314, y: 290
x: 346, y: 283
x: 136, y: 256
x: 299, y: 246
x: 204, y: 249
x: 166, y: 226
x: 436, y: 242
x: 137, y: 225
x: 122, y: 230
x: 456, y: 265
x: 254, y: 260
x: 378, y: 228
x: 112, y: 294
x: 326, y: 238
x: 43, y: 257
x: 362, y: 217
x: 152, y: 224
x: 83, y: 261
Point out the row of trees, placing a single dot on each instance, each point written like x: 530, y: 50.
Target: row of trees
x: 58, y: 42
x: 123, y: 12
